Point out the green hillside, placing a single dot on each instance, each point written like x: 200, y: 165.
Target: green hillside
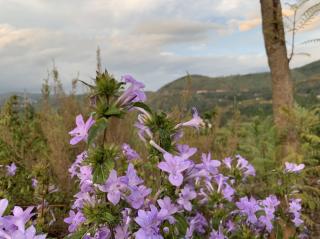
x: 250, y: 92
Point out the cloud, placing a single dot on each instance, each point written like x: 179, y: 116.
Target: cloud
x: 10, y: 35
x: 177, y: 27
x: 227, y: 6
x: 249, y: 24
x: 155, y: 40
x: 175, y: 31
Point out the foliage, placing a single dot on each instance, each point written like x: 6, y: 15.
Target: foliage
x: 35, y: 140
x: 211, y: 198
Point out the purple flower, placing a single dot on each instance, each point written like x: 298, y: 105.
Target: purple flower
x: 74, y: 220
x: 13, y: 226
x: 20, y: 217
x: 129, y: 152
x: 245, y: 167
x: 197, y: 224
x: 187, y: 194
x: 132, y: 177
x: 217, y: 234
x: 228, y: 192
x: 103, y: 233
x: 295, y: 209
x: 269, y: 205
x: 34, y: 182
x: 30, y: 233
x: 195, y: 122
x: 11, y: 169
x: 138, y: 192
x: 73, y: 170
x: 149, y: 223
x: 122, y: 230
x: 174, y: 165
x: 81, y: 131
x: 185, y: 152
x: 250, y: 171
x: 113, y: 186
x: 85, y: 176
x: 143, y: 131
x: 211, y: 166
x: 138, y: 195
x: 220, y: 180
x: 249, y: 207
x: 203, y: 196
x: 86, y: 186
x: 223, y: 187
x: 133, y: 93
x: 230, y: 226
x: 82, y: 198
x: 293, y: 168
x: 228, y: 161
x: 167, y: 209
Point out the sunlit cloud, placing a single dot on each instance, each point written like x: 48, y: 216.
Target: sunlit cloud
x: 249, y: 24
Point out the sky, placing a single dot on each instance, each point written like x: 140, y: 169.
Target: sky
x: 156, y: 41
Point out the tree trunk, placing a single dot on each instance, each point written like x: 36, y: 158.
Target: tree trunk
x: 282, y: 87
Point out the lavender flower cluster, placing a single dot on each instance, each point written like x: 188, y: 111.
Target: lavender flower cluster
x: 14, y: 226
x: 181, y: 196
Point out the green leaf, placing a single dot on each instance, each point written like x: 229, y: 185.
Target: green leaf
x: 101, y: 172
x: 143, y: 106
x: 113, y: 111
x: 278, y: 231
x: 87, y: 84
x: 99, y: 126
x: 181, y: 224
x: 108, y: 217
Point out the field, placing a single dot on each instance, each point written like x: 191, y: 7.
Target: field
x: 37, y: 142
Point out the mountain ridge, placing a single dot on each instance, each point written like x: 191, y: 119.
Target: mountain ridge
x: 205, y: 93
x: 252, y: 89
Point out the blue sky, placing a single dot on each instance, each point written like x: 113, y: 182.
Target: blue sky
x: 156, y: 41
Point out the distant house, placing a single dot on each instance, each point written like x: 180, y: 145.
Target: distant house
x: 202, y: 91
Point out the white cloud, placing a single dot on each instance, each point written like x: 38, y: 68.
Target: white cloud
x: 155, y: 40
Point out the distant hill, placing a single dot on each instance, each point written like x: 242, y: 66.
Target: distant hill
x: 245, y: 90
x: 251, y: 93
